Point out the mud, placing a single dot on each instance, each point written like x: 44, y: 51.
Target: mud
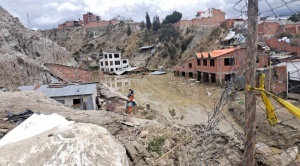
x: 166, y: 92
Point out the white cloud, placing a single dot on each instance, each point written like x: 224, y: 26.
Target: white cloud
x: 67, y: 6
x: 49, y: 5
x: 49, y: 13
x: 47, y: 20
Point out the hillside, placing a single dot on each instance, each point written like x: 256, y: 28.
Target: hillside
x: 172, y: 45
x: 23, y: 52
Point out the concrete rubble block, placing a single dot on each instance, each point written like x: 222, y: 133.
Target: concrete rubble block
x: 288, y: 156
x: 70, y: 144
x: 144, y: 133
x: 266, y: 154
x: 131, y: 151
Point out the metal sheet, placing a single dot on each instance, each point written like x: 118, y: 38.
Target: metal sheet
x: 69, y: 90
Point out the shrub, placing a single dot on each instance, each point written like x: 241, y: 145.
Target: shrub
x: 156, y: 145
x: 284, y: 34
x: 20, y: 60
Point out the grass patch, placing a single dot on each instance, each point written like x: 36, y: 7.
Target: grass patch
x: 156, y: 145
x: 150, y: 117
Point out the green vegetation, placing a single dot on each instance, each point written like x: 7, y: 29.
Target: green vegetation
x: 148, y: 22
x: 172, y: 18
x: 150, y: 116
x: 156, y: 23
x: 142, y: 25
x: 172, y: 112
x: 156, y: 145
x: 284, y: 34
x: 186, y: 42
x: 295, y: 43
x: 169, y: 33
x: 128, y: 30
x: 20, y: 60
x: 295, y: 17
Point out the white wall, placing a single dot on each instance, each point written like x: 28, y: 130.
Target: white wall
x: 69, y: 99
x: 110, y: 58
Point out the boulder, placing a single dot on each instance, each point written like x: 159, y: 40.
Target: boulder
x: 73, y: 144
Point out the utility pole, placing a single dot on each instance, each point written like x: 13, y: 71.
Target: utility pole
x: 250, y: 104
x: 28, y: 22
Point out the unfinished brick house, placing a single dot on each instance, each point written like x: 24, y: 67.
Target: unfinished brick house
x: 70, y: 24
x: 209, y: 17
x: 217, y: 66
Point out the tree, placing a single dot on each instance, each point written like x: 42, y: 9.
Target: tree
x: 156, y: 23
x: 142, y: 25
x: 128, y: 30
x: 295, y: 17
x: 172, y: 18
x: 168, y: 33
x: 148, y: 21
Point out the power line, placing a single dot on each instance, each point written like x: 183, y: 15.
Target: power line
x: 21, y: 15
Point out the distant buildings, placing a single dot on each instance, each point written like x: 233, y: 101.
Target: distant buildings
x: 70, y: 24
x: 209, y: 17
x: 90, y: 17
x: 112, y: 61
x: 92, y: 21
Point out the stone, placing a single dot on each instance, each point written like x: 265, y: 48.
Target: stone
x: 74, y: 144
x: 144, y: 134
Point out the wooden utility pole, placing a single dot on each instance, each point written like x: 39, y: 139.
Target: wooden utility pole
x: 250, y: 100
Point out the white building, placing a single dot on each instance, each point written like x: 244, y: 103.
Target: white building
x: 204, y: 14
x: 112, y: 61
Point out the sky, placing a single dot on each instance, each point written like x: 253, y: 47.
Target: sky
x: 47, y: 14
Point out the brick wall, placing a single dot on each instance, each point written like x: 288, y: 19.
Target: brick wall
x: 97, y: 24
x: 217, y: 19
x: 183, y: 23
x: 274, y: 44
x: 268, y: 28
x: 70, y: 74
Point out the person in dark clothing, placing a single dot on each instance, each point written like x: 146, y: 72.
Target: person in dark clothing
x: 98, y: 102
x: 131, y: 93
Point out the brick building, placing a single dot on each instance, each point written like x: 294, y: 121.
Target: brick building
x: 271, y: 28
x: 281, y: 46
x: 217, y: 66
x: 90, y: 17
x: 69, y: 24
x: 209, y: 17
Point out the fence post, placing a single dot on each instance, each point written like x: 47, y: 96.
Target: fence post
x: 250, y: 104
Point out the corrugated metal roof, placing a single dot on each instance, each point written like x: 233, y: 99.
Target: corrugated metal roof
x: 111, y: 51
x: 125, y: 69
x: 25, y: 88
x: 69, y: 90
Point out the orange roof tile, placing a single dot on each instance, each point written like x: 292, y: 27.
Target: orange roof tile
x: 217, y: 53
x: 205, y: 54
x: 199, y: 55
